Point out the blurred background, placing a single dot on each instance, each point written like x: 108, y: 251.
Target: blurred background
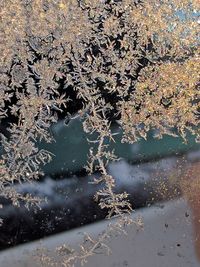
x: 149, y: 170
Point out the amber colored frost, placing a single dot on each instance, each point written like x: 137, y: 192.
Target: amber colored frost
x: 132, y: 61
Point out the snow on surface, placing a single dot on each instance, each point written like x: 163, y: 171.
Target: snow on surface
x: 167, y: 240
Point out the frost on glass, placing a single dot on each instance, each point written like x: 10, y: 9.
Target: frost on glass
x: 131, y: 62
